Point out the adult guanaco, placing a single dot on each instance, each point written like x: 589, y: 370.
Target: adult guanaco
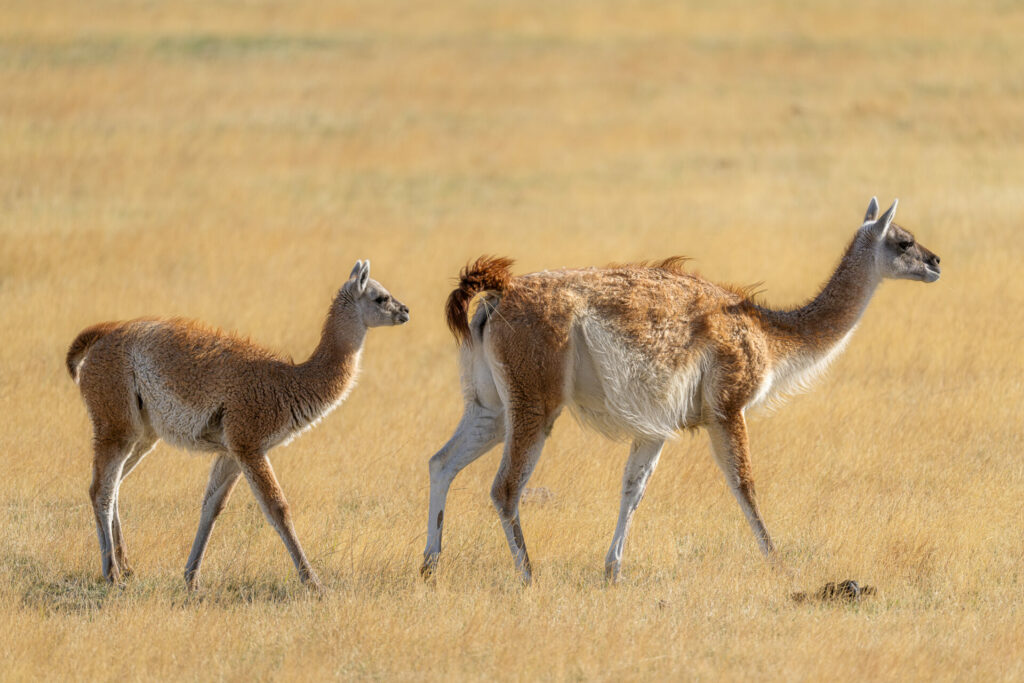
x: 641, y: 351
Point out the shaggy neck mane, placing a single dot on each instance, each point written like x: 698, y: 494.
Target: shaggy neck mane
x: 816, y: 328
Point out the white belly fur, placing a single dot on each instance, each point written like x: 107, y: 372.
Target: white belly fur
x: 621, y: 394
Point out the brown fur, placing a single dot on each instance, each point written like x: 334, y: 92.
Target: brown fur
x: 487, y: 273
x: 202, y: 389
x: 80, y: 346
x: 642, y: 350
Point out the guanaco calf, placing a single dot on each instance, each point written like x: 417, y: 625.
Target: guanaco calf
x: 204, y: 390
x: 641, y: 351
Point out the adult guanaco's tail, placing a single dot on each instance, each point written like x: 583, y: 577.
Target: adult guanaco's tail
x: 82, y: 343
x: 487, y: 273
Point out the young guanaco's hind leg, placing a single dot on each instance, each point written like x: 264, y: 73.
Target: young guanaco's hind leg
x: 643, y: 458
x: 527, y: 430
x: 479, y: 430
x: 111, y: 450
x: 223, y: 476
x: 732, y: 453
x: 260, y: 475
x: 139, y: 450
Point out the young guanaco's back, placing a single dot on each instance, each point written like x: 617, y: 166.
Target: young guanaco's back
x: 203, y: 390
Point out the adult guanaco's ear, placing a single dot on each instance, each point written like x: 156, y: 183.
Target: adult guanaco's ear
x: 872, y: 210
x: 360, y: 275
x: 881, y: 226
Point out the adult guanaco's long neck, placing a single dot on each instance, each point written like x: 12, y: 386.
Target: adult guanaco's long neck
x: 324, y: 377
x: 814, y: 329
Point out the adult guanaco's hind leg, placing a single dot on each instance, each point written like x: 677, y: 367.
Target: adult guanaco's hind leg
x: 480, y: 430
x: 528, y: 430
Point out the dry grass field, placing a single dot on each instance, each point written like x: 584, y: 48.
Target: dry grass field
x: 230, y: 161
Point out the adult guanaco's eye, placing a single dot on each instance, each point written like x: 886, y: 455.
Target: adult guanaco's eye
x: 381, y: 299
x: 906, y: 244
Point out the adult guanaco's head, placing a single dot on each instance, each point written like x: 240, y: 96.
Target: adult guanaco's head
x: 375, y: 304
x: 897, y: 254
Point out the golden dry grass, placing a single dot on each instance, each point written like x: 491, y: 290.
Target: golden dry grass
x: 230, y: 161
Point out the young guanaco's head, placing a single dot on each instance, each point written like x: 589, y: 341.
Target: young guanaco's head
x: 897, y: 254
x: 375, y: 305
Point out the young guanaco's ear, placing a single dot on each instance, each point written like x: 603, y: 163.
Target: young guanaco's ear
x: 881, y: 226
x: 360, y: 275
x: 872, y: 210
x: 355, y: 270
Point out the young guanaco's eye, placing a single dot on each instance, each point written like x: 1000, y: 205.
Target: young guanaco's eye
x: 381, y: 299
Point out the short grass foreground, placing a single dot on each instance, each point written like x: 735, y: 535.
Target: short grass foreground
x: 230, y: 163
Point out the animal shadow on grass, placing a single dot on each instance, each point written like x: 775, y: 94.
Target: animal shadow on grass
x: 231, y: 592
x: 83, y: 591
x: 70, y: 593
x: 847, y: 592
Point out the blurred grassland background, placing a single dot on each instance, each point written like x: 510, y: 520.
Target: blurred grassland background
x: 229, y: 161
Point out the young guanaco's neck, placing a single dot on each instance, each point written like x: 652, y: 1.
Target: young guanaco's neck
x: 328, y: 372
x: 814, y: 329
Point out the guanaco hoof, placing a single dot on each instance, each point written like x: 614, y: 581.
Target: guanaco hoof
x: 844, y: 591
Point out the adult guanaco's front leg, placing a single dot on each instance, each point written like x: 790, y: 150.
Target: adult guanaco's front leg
x: 731, y: 449
x: 643, y: 458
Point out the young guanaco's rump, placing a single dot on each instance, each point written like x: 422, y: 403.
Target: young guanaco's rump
x: 204, y: 390
x: 641, y: 351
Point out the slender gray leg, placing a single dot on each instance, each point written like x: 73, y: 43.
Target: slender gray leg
x: 643, y: 458
x: 223, y: 476
x: 478, y: 432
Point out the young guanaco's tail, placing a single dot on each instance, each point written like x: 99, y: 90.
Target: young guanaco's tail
x: 487, y: 273
x: 82, y: 343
